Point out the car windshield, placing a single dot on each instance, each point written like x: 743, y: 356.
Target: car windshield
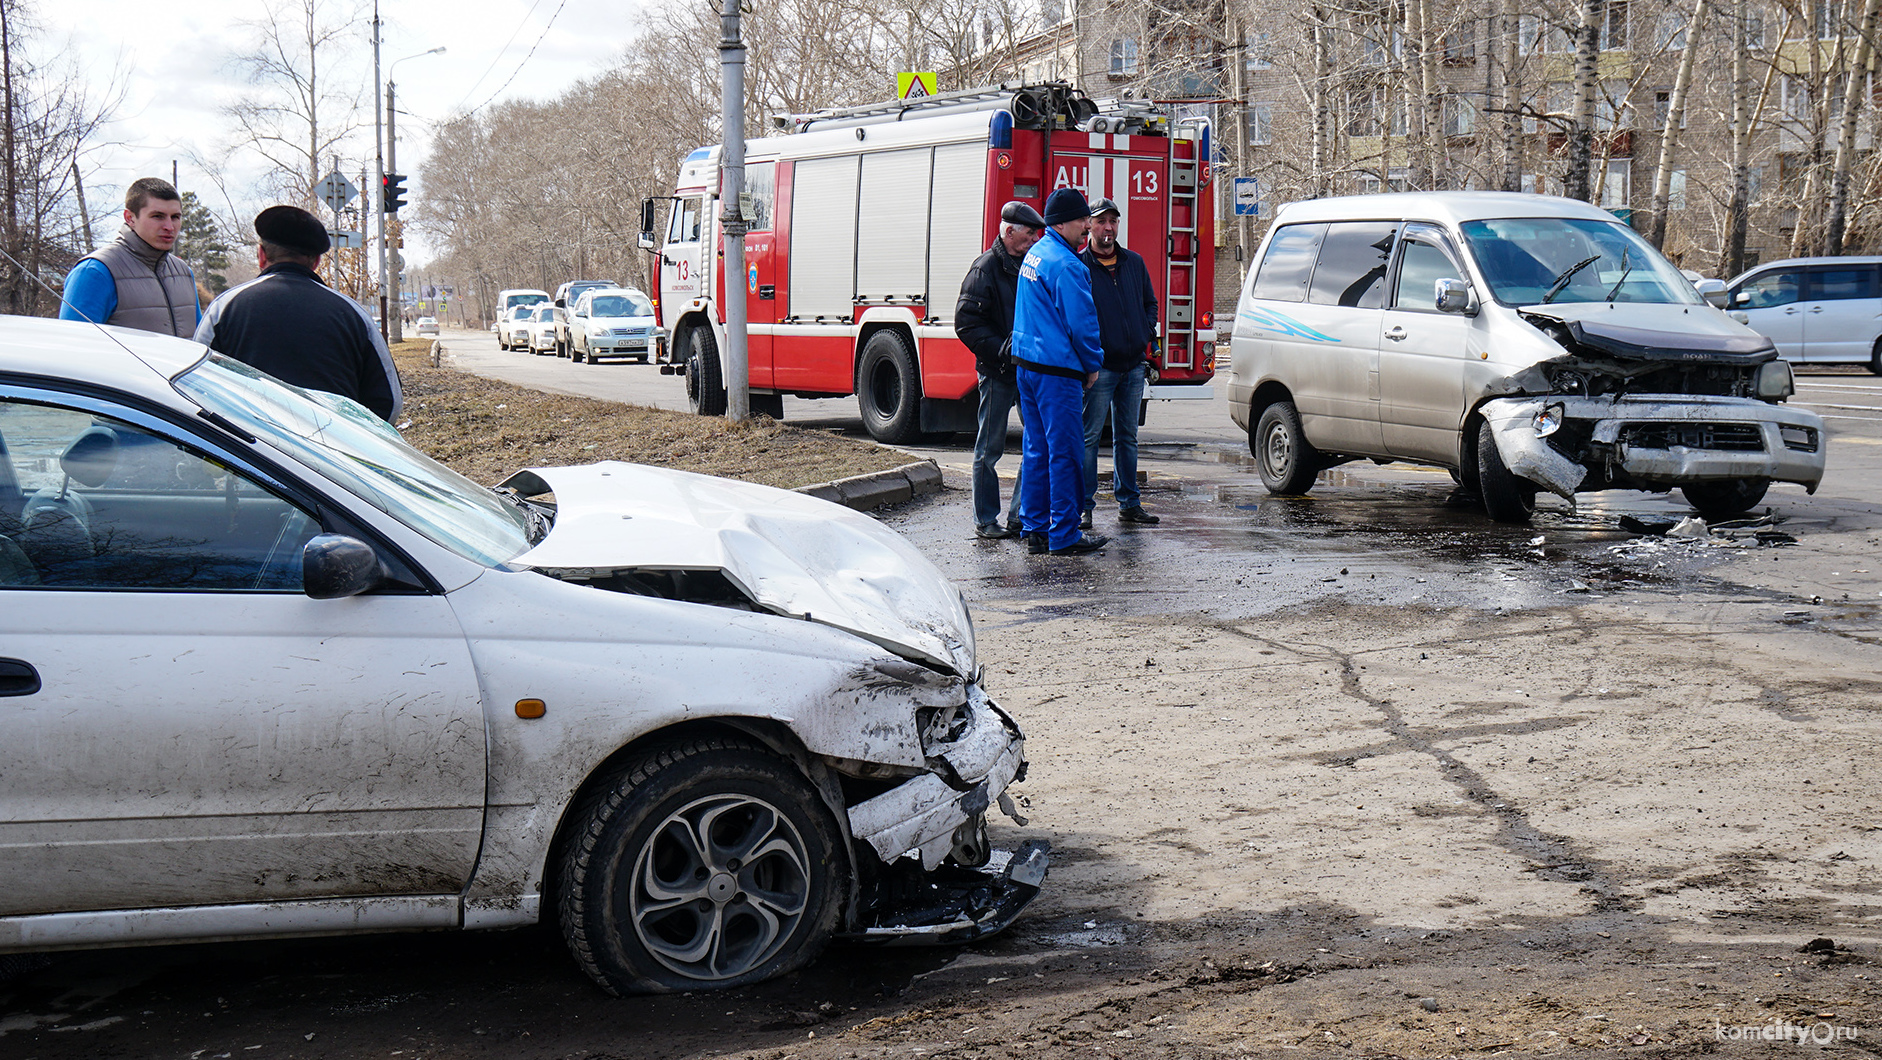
x: 345, y: 442
x: 546, y: 313
x: 1529, y: 260
x: 620, y: 305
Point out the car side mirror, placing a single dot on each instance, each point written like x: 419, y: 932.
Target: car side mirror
x: 1453, y: 296
x: 335, y: 566
x: 1741, y: 298
x: 1713, y: 291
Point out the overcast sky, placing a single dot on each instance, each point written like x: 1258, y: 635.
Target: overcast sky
x: 174, y: 62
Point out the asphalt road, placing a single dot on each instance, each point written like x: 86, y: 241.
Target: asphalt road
x: 1359, y: 773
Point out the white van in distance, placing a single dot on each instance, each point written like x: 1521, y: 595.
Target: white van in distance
x: 1524, y: 342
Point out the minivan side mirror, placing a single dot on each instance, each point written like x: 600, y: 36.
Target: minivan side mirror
x: 1713, y: 291
x: 1453, y: 296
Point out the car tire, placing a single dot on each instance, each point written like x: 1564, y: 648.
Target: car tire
x: 1728, y: 497
x: 578, y: 356
x: 672, y: 823
x: 888, y: 388
x: 705, y: 388
x: 1507, y: 497
x: 1875, y: 358
x: 1287, y: 461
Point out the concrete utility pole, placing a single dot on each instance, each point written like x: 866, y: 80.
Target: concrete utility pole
x: 379, y: 164
x: 731, y: 217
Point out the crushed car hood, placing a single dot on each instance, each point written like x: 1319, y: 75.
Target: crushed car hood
x: 1644, y: 331
x: 790, y: 553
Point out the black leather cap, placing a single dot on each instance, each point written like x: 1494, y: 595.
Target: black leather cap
x: 1101, y: 205
x: 1019, y: 213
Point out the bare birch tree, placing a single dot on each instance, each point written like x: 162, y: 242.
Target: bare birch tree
x: 305, y: 100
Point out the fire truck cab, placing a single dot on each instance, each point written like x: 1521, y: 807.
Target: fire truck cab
x: 862, y: 223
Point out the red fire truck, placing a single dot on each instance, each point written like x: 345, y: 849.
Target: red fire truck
x: 863, y: 223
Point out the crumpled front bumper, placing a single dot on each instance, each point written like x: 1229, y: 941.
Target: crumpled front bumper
x: 1790, y: 442
x: 917, y: 822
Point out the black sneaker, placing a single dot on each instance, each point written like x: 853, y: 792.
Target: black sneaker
x: 1085, y: 543
x: 994, y: 532
x: 1036, y: 544
x: 1137, y: 515
x: 1084, y: 521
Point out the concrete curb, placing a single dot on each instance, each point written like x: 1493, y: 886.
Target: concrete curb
x: 893, y: 486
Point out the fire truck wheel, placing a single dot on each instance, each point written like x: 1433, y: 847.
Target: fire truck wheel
x: 888, y: 389
x: 705, y: 391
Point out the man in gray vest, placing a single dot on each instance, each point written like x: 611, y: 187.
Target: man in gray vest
x: 136, y: 281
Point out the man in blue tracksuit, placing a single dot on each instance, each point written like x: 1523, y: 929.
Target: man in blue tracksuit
x: 1055, y: 346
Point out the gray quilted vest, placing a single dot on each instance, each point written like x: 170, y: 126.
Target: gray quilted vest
x: 156, y: 290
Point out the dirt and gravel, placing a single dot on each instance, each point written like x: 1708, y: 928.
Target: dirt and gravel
x: 486, y: 429
x: 1635, y: 817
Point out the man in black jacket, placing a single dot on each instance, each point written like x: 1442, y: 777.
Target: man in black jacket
x: 984, y: 321
x: 291, y: 325
x: 1127, y: 325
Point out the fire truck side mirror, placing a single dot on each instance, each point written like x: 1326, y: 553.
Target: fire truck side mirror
x: 646, y: 224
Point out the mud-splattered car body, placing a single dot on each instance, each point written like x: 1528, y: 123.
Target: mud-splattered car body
x: 301, y: 679
x: 1522, y: 341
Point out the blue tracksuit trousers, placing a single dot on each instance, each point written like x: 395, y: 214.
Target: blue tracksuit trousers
x: 1052, y: 455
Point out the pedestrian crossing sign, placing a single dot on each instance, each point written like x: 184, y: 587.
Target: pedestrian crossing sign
x: 914, y: 86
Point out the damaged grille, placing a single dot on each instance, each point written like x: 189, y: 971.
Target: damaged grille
x: 1729, y: 437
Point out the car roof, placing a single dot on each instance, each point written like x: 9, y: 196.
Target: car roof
x: 137, y: 362
x: 1444, y: 207
x: 1798, y: 263
x: 599, y: 291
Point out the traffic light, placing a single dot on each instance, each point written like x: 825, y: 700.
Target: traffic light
x: 392, y: 193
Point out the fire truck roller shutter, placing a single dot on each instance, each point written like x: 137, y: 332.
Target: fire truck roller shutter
x: 892, y: 226
x: 823, y: 238
x: 954, y: 224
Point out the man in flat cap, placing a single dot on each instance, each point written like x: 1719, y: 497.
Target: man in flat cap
x: 290, y: 324
x: 983, y: 319
x: 1055, y: 345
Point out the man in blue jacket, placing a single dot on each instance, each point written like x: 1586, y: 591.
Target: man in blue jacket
x: 1055, y: 346
x: 1127, y: 324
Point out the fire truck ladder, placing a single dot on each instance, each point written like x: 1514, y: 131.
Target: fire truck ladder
x: 1031, y: 102
x: 1180, y: 282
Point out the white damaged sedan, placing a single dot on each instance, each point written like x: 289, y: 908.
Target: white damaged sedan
x: 271, y: 672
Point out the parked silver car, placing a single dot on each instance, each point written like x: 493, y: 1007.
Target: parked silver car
x: 613, y: 322
x: 1816, y: 310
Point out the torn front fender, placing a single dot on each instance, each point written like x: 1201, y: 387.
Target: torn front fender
x: 1527, y: 453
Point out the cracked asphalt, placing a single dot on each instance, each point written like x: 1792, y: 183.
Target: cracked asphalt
x: 1354, y: 774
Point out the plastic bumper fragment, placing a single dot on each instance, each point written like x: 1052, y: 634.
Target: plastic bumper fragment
x: 954, y: 904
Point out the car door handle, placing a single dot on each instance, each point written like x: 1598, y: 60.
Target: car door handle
x: 18, y: 678
x: 1396, y: 334
x: 1790, y: 310
x: 1816, y: 309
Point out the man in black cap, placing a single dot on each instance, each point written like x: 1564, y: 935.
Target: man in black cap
x: 984, y: 321
x: 1055, y: 345
x: 290, y: 324
x: 1127, y: 325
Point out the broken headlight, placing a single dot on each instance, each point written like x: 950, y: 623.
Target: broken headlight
x: 1774, y: 381
x: 1548, y: 420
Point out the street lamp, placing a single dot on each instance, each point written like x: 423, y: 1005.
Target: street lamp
x: 385, y: 144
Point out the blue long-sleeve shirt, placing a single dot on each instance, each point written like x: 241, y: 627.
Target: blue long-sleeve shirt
x: 1055, y: 322
x: 90, y: 293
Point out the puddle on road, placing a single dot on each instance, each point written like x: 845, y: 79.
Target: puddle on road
x: 1394, y: 536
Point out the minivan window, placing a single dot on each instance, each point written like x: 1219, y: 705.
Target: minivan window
x: 1351, y: 269
x: 1288, y: 262
x: 1833, y: 283
x: 1781, y: 287
x: 1527, y: 260
x: 1420, y: 267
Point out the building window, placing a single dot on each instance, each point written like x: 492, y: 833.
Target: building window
x: 1260, y: 123
x: 1611, y: 111
x: 1669, y: 31
x: 1460, y: 116
x: 1676, y: 189
x: 1460, y: 45
x: 1258, y: 51
x: 1614, y: 25
x: 1754, y: 185
x: 1754, y: 28
x: 1614, y: 188
x: 1124, y: 57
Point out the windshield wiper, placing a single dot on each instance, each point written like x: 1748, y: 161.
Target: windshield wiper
x: 538, y: 522
x: 1626, y: 268
x: 1568, y: 274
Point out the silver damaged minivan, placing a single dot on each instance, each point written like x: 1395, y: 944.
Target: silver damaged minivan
x: 1524, y: 342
